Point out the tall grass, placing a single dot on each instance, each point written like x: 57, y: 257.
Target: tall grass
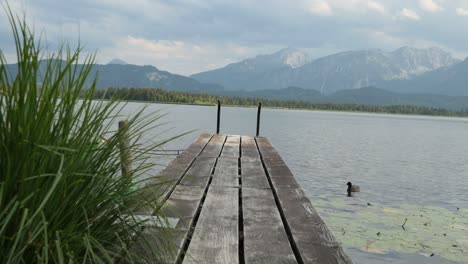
x: 62, y: 198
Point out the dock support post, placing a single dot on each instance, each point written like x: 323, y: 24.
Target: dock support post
x: 125, y: 155
x: 258, y: 118
x: 219, y: 117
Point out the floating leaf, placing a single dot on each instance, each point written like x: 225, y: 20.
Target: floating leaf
x: 428, y: 230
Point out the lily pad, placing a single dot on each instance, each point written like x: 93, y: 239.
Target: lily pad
x: 378, y: 228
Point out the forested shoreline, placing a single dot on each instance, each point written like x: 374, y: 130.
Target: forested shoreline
x: 164, y: 96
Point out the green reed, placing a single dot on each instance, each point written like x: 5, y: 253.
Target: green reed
x: 62, y: 196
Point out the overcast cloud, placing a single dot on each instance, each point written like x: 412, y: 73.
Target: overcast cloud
x: 189, y: 36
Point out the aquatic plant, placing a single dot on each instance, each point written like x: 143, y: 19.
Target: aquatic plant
x: 62, y: 196
x: 407, y: 228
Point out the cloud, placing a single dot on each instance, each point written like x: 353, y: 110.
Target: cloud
x: 410, y: 14
x: 185, y: 36
x: 461, y: 11
x: 178, y: 56
x: 429, y: 6
x: 376, y: 6
x: 320, y: 8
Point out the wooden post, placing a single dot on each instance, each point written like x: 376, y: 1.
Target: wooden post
x: 125, y: 154
x: 219, y: 117
x: 258, y: 118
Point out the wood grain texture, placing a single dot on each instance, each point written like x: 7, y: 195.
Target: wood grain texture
x: 314, y: 240
x: 199, y: 173
x: 233, y: 139
x: 279, y: 172
x: 214, y: 147
x: 267, y: 149
x: 253, y: 174
x: 230, y: 150
x: 216, y: 238
x: 150, y: 248
x: 194, y: 149
x: 160, y: 186
x: 249, y: 148
x: 265, y: 239
x: 181, y: 206
x: 226, y: 172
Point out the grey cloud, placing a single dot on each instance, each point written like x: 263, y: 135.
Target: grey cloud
x: 246, y: 23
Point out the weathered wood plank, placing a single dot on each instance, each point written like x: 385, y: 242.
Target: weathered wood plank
x: 314, y: 240
x: 226, y: 172
x: 216, y: 238
x: 230, y: 150
x: 181, y: 208
x: 231, y: 147
x: 162, y: 184
x: 253, y: 174
x: 249, y: 148
x: 267, y: 149
x: 282, y: 177
x: 265, y: 239
x: 233, y: 139
x: 279, y: 172
x: 213, y: 148
x: 199, y: 173
x: 194, y: 149
x: 182, y: 205
x: 150, y: 248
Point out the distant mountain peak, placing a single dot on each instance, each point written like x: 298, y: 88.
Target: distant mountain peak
x: 117, y: 61
x: 340, y: 71
x: 294, y: 57
x: 419, y: 60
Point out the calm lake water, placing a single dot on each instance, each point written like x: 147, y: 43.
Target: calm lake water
x: 412, y: 170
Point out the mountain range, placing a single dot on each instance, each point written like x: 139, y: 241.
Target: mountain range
x: 341, y: 71
x: 429, y: 77
x: 118, y: 73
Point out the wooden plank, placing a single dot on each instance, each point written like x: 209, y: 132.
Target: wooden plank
x: 230, y: 150
x: 177, y: 167
x: 226, y: 172
x: 162, y: 184
x: 150, y: 248
x: 314, y: 240
x: 194, y: 149
x: 216, y: 238
x: 199, y: 173
x: 265, y: 239
x: 233, y: 139
x: 182, y: 205
x: 282, y: 177
x: 249, y: 148
x: 280, y: 174
x: 266, y: 148
x: 231, y: 147
x: 181, y: 208
x: 253, y: 175
x: 213, y: 148
x: 218, y: 138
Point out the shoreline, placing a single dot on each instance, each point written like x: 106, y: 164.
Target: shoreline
x: 291, y: 109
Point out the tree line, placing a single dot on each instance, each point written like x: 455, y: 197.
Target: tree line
x: 164, y: 96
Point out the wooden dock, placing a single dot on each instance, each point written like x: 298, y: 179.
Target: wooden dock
x: 234, y: 200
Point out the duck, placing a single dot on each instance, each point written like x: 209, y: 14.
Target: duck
x: 352, y: 188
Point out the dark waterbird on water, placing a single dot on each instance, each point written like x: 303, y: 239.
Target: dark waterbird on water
x: 352, y: 188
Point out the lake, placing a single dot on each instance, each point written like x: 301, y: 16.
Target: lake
x: 412, y: 170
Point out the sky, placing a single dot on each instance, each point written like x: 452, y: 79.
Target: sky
x: 190, y: 36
